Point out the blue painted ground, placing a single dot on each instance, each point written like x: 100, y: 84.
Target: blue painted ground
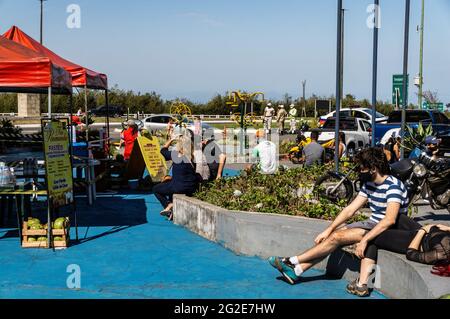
x: 129, y: 251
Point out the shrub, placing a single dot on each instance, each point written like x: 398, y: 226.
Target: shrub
x: 289, y: 192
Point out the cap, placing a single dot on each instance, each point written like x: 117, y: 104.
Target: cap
x: 269, y: 104
x: 281, y: 106
x: 432, y: 140
x: 208, y: 134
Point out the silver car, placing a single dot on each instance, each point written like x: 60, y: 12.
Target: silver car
x: 160, y: 122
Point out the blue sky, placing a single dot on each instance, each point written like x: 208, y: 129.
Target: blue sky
x: 196, y: 48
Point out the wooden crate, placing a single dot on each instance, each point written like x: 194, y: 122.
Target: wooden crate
x: 64, y: 233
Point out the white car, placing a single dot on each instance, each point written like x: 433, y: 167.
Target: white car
x: 362, y: 113
x: 357, y: 132
x: 159, y: 122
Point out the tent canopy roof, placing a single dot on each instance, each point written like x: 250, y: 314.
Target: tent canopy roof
x: 81, y: 76
x: 24, y: 70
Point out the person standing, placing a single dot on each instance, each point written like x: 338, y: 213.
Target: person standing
x: 281, y: 119
x: 293, y: 122
x: 129, y: 136
x: 269, y: 113
x: 170, y: 129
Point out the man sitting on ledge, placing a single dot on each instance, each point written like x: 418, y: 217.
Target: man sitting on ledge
x: 387, y: 198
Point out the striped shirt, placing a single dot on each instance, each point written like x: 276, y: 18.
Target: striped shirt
x: 379, y: 196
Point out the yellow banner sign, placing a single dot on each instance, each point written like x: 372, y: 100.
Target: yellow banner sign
x: 57, y: 163
x: 154, y: 161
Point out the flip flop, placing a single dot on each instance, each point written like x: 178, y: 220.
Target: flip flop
x: 442, y: 273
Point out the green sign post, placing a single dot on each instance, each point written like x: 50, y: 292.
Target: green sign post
x: 397, y: 90
x: 433, y: 106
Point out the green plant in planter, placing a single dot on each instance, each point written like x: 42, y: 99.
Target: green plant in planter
x: 416, y: 136
x: 283, y: 193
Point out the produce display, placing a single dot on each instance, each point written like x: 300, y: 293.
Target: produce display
x: 34, y: 224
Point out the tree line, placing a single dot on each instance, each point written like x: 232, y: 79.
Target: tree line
x: 152, y: 103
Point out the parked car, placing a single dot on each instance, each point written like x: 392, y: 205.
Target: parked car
x: 438, y: 120
x: 159, y: 123
x: 357, y: 132
x: 114, y: 111
x: 362, y: 113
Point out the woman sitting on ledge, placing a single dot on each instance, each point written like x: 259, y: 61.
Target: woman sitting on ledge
x: 184, y: 179
x: 428, y: 245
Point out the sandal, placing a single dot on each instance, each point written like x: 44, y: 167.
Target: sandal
x: 442, y: 272
x: 166, y: 213
x: 354, y: 289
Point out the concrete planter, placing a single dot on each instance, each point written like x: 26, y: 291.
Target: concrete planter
x: 265, y: 235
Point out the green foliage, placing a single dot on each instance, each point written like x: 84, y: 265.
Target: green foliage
x: 152, y: 102
x: 289, y: 192
x: 417, y: 136
x: 286, y: 146
x: 6, y: 126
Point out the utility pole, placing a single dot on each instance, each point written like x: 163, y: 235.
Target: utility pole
x: 422, y: 27
x: 42, y: 21
x: 303, y: 113
x: 342, y: 52
x: 405, y: 74
x: 375, y: 67
x: 339, y: 58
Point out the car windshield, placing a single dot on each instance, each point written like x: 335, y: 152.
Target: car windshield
x: 411, y: 117
x: 378, y: 114
x: 344, y: 124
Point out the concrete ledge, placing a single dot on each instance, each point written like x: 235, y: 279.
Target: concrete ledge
x: 265, y: 235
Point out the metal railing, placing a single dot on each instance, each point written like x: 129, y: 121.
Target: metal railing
x: 135, y: 116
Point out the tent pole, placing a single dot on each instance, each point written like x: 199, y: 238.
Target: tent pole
x: 50, y: 102
x: 70, y: 120
x: 107, y: 120
x: 87, y: 115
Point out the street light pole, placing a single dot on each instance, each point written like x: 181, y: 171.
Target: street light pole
x: 304, y: 98
x: 42, y: 21
x: 375, y: 68
x: 338, y: 80
x: 422, y: 27
x: 405, y: 74
x: 342, y: 52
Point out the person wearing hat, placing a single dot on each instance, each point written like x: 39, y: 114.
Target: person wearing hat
x: 269, y: 113
x: 281, y: 119
x: 293, y: 122
x: 128, y: 138
x: 432, y: 143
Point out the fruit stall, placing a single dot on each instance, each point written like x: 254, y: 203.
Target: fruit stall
x: 46, y: 192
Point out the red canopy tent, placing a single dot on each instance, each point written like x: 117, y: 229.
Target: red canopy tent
x: 81, y: 76
x: 23, y: 70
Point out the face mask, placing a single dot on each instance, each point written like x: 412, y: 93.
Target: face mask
x: 366, y: 177
x: 431, y: 150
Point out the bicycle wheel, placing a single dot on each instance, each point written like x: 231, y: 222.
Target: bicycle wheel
x: 326, y: 187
